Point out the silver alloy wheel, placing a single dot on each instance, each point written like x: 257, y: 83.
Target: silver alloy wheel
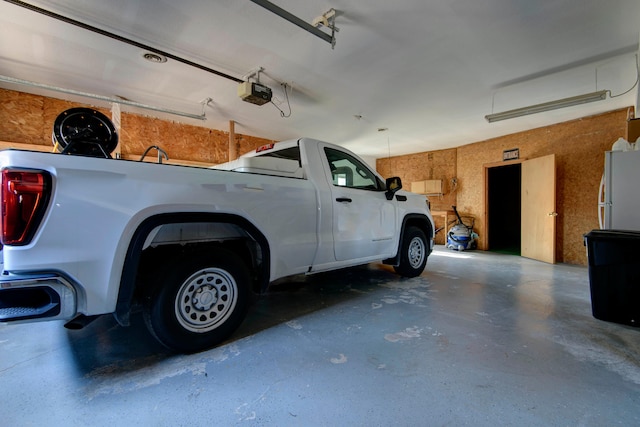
x: 417, y: 252
x: 206, y: 300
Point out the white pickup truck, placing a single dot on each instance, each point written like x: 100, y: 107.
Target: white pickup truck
x: 85, y: 236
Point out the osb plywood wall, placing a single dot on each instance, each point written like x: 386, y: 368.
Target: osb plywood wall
x: 441, y: 164
x: 579, y: 148
x: 26, y: 118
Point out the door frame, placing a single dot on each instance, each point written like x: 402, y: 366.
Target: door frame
x: 484, y: 239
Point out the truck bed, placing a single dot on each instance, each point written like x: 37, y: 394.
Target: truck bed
x: 264, y: 165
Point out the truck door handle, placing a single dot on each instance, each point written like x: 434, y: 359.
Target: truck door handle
x: 343, y: 199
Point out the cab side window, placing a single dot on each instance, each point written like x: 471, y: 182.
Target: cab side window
x: 348, y: 171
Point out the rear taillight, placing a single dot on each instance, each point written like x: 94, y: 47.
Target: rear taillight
x: 25, y: 194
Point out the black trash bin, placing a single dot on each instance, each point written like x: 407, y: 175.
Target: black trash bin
x: 614, y: 275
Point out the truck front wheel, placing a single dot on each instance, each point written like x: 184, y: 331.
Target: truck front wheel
x: 197, y: 301
x: 413, y: 253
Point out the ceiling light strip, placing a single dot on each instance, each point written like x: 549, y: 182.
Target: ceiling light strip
x: 7, y: 79
x: 548, y: 106
x: 121, y: 39
x: 295, y: 20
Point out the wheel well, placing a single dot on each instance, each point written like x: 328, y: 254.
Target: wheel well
x: 143, y: 255
x: 421, y: 222
x: 413, y: 220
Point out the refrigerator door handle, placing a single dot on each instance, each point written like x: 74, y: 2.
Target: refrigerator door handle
x: 601, y: 203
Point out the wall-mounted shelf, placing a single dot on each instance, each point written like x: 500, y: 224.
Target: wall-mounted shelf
x: 429, y: 187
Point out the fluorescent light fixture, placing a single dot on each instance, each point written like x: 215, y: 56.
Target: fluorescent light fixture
x: 547, y: 106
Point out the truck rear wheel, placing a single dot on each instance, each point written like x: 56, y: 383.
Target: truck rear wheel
x: 197, y: 301
x: 413, y: 253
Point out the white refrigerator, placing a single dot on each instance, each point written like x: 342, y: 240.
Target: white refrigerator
x: 619, y: 200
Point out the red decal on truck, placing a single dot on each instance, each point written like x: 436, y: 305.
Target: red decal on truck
x: 265, y: 148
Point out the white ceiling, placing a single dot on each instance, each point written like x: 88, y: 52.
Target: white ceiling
x: 427, y: 71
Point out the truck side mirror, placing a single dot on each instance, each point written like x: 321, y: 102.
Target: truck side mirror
x: 393, y: 185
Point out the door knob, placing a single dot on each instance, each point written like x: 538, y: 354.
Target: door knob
x: 552, y: 214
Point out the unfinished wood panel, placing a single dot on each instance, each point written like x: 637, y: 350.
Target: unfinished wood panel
x: 579, y: 146
x: 233, y: 145
x: 432, y: 165
x: 21, y: 117
x: 29, y: 119
x: 179, y: 140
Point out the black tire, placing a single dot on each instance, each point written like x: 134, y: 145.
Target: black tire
x: 413, y: 253
x: 197, y: 301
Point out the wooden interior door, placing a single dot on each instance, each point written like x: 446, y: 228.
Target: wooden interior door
x: 538, y: 198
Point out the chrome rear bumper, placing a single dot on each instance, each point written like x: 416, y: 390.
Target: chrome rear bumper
x: 33, y: 298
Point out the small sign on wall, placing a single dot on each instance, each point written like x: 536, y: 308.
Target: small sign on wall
x: 513, y: 154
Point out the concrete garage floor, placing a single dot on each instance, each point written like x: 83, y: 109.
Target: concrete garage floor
x: 479, y: 339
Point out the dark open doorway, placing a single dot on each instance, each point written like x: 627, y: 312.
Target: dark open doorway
x: 504, y: 183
